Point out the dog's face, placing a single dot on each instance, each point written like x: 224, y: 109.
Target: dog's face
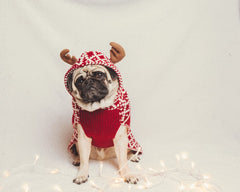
x: 93, y: 86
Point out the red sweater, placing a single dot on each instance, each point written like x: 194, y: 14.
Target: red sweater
x: 100, y: 125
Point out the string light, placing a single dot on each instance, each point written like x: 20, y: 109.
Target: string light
x: 185, y: 174
x: 132, y: 157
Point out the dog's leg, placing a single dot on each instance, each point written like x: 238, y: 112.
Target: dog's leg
x: 84, y: 147
x: 75, y: 151
x: 120, y: 144
x: 76, y: 162
x: 133, y: 157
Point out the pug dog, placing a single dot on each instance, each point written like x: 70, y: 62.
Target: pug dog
x: 101, y: 112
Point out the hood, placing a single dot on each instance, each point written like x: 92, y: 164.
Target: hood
x: 93, y: 58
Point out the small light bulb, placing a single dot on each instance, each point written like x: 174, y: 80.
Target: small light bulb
x: 25, y: 187
x: 139, y: 166
x: 118, y: 180
x: 205, y: 177
x: 57, y: 188
x: 192, y: 186
x: 192, y: 165
x: 178, y: 157
x: 151, y: 169
x: 206, y: 185
x: 91, y: 182
x: 162, y: 164
x: 36, y: 159
x: 54, y: 171
x: 6, y: 173
x: 162, y: 171
x: 100, y: 168
x: 141, y: 187
x: 184, y: 156
x: 148, y: 183
x: 181, y: 187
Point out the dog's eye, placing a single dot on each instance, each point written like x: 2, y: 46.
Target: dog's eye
x: 79, y: 81
x: 98, y: 74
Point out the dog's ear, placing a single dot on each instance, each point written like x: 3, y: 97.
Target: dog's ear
x: 117, y: 52
x: 69, y: 81
x: 113, y: 74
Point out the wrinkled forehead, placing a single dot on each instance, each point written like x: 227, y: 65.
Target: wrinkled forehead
x: 84, y: 71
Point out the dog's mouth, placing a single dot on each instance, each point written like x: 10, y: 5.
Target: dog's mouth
x: 91, y: 94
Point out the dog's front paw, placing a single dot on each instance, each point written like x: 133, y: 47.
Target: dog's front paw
x: 76, y: 162
x: 135, y: 159
x: 80, y: 179
x: 132, y: 179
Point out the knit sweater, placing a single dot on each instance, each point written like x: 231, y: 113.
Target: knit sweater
x: 102, y: 125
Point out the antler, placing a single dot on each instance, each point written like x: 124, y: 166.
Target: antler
x: 117, y: 53
x: 67, y: 57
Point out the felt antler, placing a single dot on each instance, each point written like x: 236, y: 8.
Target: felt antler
x: 67, y: 57
x: 117, y: 53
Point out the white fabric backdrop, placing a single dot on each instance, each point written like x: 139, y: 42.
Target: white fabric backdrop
x: 181, y: 72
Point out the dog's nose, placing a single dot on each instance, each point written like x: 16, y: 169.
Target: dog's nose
x: 88, y: 82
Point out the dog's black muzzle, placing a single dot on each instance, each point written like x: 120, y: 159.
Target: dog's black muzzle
x: 93, y: 90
